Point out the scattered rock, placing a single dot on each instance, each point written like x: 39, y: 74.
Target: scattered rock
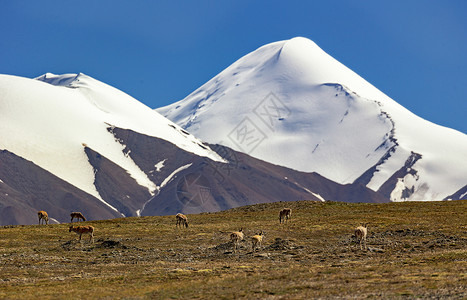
x: 280, y: 244
x: 111, y: 244
x: 224, y: 246
x: 374, y: 249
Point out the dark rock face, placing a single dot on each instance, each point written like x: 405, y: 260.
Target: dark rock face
x: 390, y: 184
x: 203, y: 185
x: 459, y: 195
x: 186, y: 183
x: 26, y: 188
x: 116, y: 186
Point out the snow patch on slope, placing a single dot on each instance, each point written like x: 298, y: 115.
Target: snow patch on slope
x: 171, y: 176
x: 158, y: 167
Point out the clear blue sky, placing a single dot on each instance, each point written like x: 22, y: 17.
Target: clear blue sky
x: 160, y: 51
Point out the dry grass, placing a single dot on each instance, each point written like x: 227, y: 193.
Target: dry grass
x: 416, y: 250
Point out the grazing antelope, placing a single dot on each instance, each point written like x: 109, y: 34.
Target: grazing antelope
x: 236, y: 237
x: 78, y: 216
x: 256, y: 239
x: 83, y: 230
x: 182, y: 220
x: 360, y: 233
x: 285, y: 214
x: 43, y: 216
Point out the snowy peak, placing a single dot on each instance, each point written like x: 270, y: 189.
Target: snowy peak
x: 292, y: 104
x: 304, y: 61
x: 121, y: 110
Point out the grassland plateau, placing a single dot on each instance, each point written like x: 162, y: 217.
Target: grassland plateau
x: 415, y: 250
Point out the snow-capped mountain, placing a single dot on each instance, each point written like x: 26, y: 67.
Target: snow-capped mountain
x: 59, y: 115
x: 70, y: 142
x: 292, y: 104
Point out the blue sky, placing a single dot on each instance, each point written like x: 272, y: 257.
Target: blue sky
x: 160, y: 51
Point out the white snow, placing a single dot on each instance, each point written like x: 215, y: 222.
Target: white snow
x: 50, y: 120
x: 307, y: 190
x: 54, y: 221
x: 292, y: 104
x: 319, y: 197
x: 169, y: 178
x: 159, y: 165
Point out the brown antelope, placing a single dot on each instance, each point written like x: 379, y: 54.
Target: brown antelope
x: 285, y: 214
x: 256, y: 239
x: 236, y: 237
x: 83, y: 230
x: 43, y: 216
x: 182, y: 220
x: 360, y: 233
x: 78, y: 216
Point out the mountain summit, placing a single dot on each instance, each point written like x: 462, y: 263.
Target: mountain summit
x: 292, y: 104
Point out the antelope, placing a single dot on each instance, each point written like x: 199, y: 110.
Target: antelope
x: 360, y: 233
x: 236, y: 237
x: 83, y: 230
x: 78, y: 216
x: 285, y: 214
x: 182, y: 220
x: 256, y: 239
x: 43, y: 216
